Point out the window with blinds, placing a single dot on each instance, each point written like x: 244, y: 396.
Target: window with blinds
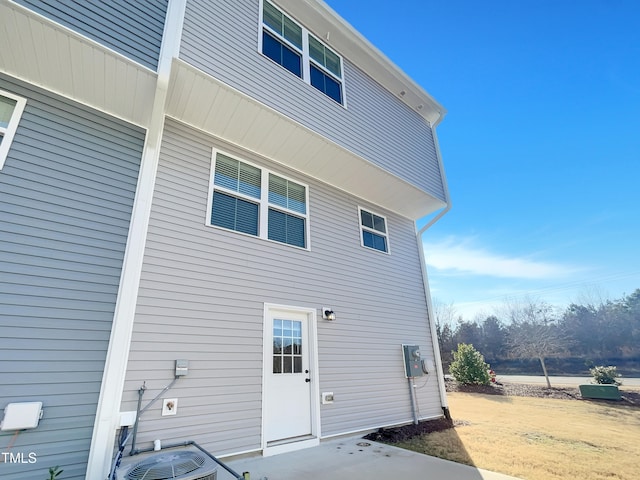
x: 287, y: 202
x: 251, y: 200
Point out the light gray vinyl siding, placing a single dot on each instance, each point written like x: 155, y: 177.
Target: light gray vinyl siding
x: 66, y: 192
x: 202, y: 296
x: 131, y: 27
x: 221, y: 39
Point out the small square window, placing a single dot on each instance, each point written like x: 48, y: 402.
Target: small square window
x: 373, y: 231
x: 11, y: 108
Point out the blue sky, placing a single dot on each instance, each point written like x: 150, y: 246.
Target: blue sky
x: 541, y: 143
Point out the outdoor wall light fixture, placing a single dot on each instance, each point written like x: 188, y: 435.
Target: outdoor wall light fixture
x: 328, y: 314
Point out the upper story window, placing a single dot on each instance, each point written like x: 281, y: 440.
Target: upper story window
x: 257, y: 202
x: 373, y: 230
x: 11, y: 108
x: 296, y: 49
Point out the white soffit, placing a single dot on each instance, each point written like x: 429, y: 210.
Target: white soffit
x: 43, y: 53
x: 207, y: 104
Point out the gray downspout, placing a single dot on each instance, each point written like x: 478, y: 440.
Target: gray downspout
x: 425, y: 280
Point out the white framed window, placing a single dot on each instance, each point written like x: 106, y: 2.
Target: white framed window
x: 296, y: 49
x: 11, y: 108
x: 255, y: 201
x: 373, y: 231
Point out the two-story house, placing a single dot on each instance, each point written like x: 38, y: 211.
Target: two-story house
x: 232, y: 183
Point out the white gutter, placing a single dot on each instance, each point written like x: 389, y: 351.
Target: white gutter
x: 108, y: 412
x: 425, y: 280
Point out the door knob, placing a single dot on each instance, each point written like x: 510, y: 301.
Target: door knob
x: 307, y: 380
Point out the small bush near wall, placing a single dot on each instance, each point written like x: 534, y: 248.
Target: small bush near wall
x: 468, y: 366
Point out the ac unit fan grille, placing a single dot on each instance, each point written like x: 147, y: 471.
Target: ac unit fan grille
x: 169, y: 466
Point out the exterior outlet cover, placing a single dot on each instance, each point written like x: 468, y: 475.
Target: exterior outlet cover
x: 169, y: 406
x: 327, y: 397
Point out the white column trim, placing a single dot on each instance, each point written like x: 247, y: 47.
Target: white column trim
x: 108, y: 412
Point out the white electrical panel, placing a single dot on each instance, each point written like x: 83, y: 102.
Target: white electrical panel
x: 21, y: 416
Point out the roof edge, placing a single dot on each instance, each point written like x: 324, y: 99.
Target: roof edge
x: 336, y: 32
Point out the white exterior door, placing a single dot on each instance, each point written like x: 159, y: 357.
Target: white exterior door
x: 288, y: 412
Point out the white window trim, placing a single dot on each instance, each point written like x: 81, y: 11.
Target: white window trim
x: 306, y: 58
x: 9, y: 132
x: 377, y: 232
x: 262, y: 202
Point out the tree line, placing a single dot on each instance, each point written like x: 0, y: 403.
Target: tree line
x: 529, y: 334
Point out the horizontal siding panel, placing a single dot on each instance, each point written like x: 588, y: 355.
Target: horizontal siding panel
x: 49, y: 355
x: 49, y: 204
x: 47, y: 390
x: 50, y: 227
x: 87, y: 260
x: 44, y: 273
x: 51, y: 366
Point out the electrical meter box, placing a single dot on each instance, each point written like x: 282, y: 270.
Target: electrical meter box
x: 182, y: 367
x: 412, y: 361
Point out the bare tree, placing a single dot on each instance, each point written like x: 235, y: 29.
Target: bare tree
x: 444, y: 313
x: 445, y: 317
x: 533, y: 332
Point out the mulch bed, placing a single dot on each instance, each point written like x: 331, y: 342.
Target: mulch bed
x: 406, y: 432
x: 631, y: 398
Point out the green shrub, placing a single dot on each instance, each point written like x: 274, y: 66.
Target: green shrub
x: 468, y: 366
x: 605, y: 375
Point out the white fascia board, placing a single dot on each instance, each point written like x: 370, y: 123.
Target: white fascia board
x: 336, y: 32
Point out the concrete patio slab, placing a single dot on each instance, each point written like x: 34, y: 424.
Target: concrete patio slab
x: 356, y: 459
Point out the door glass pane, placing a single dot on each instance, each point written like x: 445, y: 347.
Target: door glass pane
x: 277, y: 364
x: 287, y: 364
x: 277, y: 345
x: 287, y: 346
x: 297, y: 346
